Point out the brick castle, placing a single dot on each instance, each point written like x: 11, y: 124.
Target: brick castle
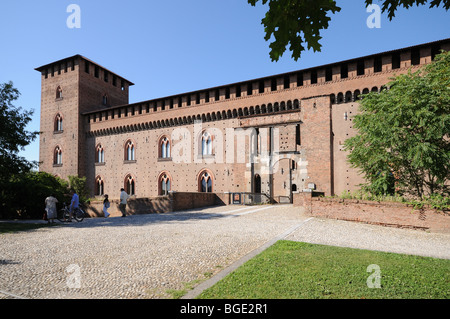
x: 275, y: 135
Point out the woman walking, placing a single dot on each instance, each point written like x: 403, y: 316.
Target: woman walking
x: 106, y: 205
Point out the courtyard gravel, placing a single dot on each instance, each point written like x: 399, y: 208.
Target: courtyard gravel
x: 147, y: 256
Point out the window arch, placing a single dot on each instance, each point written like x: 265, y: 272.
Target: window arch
x: 58, y: 123
x: 130, y: 185
x: 207, y: 143
x: 130, y: 151
x: 59, y: 92
x: 205, y: 182
x: 99, y: 186
x: 164, y: 184
x: 99, y: 154
x: 348, y: 97
x: 164, y: 147
x: 57, y: 156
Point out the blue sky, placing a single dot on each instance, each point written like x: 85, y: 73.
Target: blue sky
x: 175, y: 46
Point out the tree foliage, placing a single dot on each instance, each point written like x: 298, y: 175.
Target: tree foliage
x: 25, y: 194
x: 403, y: 136
x: 297, y: 23
x: 13, y: 134
x: 80, y: 186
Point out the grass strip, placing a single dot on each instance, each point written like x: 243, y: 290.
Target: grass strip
x: 293, y: 270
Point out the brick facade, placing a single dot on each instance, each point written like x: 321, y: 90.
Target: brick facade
x: 274, y: 135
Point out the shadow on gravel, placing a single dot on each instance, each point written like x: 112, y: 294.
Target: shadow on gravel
x: 205, y: 213
x: 8, y: 262
x: 146, y: 219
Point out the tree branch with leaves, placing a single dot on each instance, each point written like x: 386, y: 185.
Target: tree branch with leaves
x: 297, y: 23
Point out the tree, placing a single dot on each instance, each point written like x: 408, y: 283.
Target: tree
x: 296, y: 22
x: 25, y: 194
x: 13, y: 134
x: 404, y: 133
x: 78, y: 184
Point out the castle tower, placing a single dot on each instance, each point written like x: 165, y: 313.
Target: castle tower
x: 70, y: 87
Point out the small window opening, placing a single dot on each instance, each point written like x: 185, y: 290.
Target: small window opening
x: 377, y: 67
x: 313, y: 77
x: 415, y: 57
x: 261, y: 86
x: 287, y: 82
x: 396, y: 61
x: 273, y: 84
x: 238, y: 91
x: 299, y: 79
x: 328, y: 74
x: 360, y: 68
x: 344, y: 71
x: 249, y: 88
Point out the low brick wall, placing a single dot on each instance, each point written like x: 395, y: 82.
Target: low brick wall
x: 184, y: 201
x: 378, y: 213
x: 156, y: 205
x: 161, y: 204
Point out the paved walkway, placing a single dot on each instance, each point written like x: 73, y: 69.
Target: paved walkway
x: 148, y: 255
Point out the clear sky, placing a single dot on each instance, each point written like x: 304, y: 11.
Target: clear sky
x: 175, y: 46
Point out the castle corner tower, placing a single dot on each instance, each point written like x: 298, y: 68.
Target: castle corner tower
x: 70, y: 87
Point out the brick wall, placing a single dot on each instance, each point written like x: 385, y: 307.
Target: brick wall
x: 346, y: 179
x: 159, y: 205
x: 378, y: 213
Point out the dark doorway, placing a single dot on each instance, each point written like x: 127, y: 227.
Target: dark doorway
x: 257, y: 184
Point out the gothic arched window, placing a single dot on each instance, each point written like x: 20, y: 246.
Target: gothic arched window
x: 130, y: 185
x: 99, y: 186
x: 165, y: 184
x: 205, y: 182
x: 99, y: 154
x: 58, y: 123
x: 59, y: 93
x: 164, y: 148
x: 130, y: 151
x: 57, y: 156
x: 105, y: 100
x: 207, y: 144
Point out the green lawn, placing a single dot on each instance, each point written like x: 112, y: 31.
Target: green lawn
x: 292, y: 270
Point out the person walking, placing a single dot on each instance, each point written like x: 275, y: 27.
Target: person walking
x: 50, y: 207
x: 74, y: 203
x: 106, y: 205
x: 123, y: 202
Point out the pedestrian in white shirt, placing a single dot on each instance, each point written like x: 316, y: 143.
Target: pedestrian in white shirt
x: 123, y: 202
x: 50, y: 207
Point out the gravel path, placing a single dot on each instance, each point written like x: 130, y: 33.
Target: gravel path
x: 372, y: 237
x: 145, y: 256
